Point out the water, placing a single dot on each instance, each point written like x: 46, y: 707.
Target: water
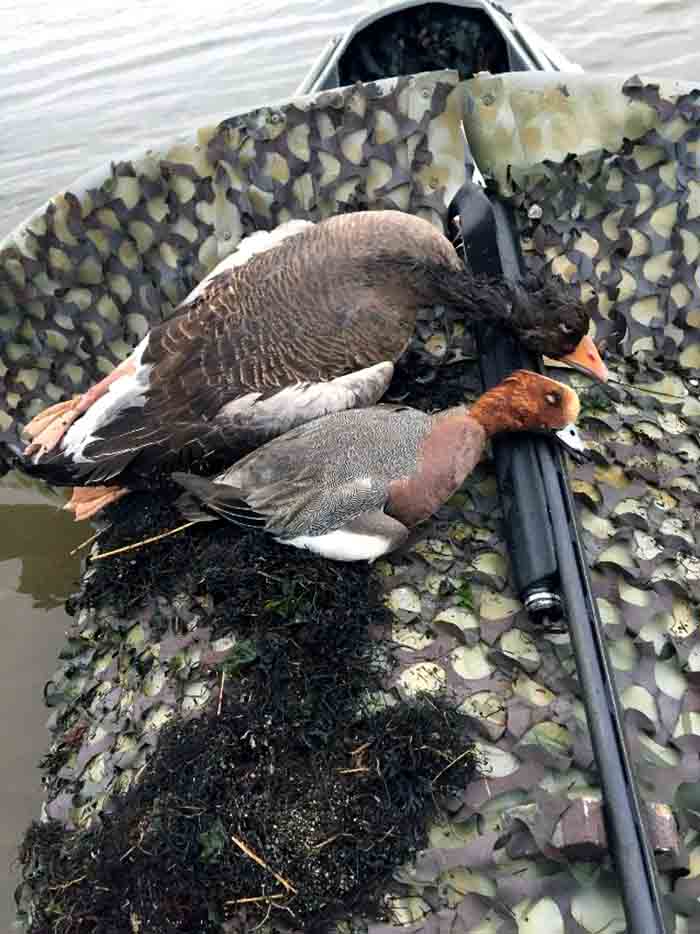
x: 83, y: 82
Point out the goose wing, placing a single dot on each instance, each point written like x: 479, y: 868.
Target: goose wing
x: 165, y: 434
x: 293, y: 318
x: 256, y: 352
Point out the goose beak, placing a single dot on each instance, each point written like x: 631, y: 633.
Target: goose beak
x: 587, y: 360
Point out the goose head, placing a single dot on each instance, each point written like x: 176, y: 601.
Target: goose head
x: 549, y: 318
x: 544, y: 313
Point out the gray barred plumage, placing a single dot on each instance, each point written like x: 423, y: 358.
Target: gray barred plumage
x: 350, y: 485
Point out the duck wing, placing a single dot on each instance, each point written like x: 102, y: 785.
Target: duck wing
x: 321, y: 475
x: 350, y: 525
x: 289, y: 509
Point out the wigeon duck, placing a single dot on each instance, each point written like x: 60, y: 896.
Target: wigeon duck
x: 349, y: 486
x: 311, y: 323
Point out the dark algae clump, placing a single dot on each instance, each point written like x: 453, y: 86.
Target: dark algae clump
x: 327, y: 823
x: 289, y: 800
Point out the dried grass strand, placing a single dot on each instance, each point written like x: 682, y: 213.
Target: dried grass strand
x: 251, y: 854
x: 88, y: 541
x: 463, y: 755
x: 145, y: 541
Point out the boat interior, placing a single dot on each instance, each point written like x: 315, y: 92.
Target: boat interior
x: 426, y: 38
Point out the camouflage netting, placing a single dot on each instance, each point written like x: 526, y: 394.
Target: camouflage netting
x: 83, y: 280
x: 524, y: 848
x: 607, y: 176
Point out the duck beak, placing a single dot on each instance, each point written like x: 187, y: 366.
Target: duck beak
x: 587, y: 360
x: 571, y: 439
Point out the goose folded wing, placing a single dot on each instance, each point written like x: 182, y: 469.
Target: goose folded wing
x: 210, y: 390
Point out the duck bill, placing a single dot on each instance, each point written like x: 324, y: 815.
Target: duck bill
x: 571, y: 439
x: 587, y: 360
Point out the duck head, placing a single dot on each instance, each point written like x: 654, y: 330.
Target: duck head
x: 526, y: 401
x: 549, y: 318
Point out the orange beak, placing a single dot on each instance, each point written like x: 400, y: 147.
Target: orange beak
x: 587, y: 359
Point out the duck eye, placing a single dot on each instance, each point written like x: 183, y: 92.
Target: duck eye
x: 553, y: 398
x: 566, y: 328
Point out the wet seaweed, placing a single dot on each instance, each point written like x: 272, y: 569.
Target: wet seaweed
x: 199, y: 561
x: 302, y: 760
x: 328, y: 827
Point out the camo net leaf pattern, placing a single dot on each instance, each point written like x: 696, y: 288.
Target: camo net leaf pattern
x: 620, y: 219
x: 622, y: 224
x: 86, y: 277
x: 522, y: 849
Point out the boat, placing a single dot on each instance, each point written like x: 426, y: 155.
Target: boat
x: 602, y: 176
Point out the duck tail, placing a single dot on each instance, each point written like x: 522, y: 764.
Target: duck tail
x: 191, y: 504
x: 206, y: 501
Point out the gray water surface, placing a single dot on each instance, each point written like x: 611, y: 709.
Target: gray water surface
x: 83, y: 81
